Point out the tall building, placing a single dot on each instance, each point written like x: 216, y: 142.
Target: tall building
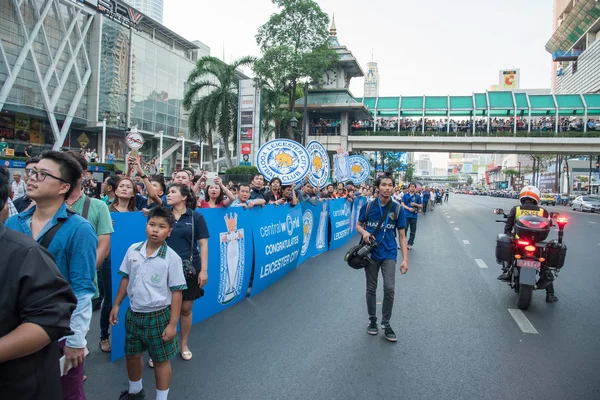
x: 123, y: 69
x: 371, y: 88
x: 424, y: 165
x: 575, y: 46
x: 151, y: 8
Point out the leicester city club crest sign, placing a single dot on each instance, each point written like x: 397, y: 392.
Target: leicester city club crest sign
x: 283, y: 158
x: 319, y: 164
x: 360, y: 169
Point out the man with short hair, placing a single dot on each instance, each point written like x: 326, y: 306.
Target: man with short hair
x: 411, y: 202
x: 72, y: 242
x: 97, y: 213
x: 36, y: 310
x: 18, y: 186
x: 257, y: 188
x: 24, y: 203
x: 243, y: 198
x: 108, y: 189
x: 385, y: 254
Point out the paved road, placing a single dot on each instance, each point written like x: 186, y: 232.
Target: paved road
x: 305, y: 337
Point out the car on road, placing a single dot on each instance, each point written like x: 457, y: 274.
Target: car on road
x: 586, y: 203
x: 548, y: 199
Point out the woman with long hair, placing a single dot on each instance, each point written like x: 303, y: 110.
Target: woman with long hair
x: 275, y: 195
x: 214, y: 196
x: 125, y: 195
x: 190, y: 232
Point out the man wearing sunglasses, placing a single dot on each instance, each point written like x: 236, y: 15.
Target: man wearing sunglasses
x: 72, y: 242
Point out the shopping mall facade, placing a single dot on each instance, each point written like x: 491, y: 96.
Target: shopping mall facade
x: 69, y: 66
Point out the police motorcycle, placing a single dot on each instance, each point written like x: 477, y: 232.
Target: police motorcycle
x: 532, y: 262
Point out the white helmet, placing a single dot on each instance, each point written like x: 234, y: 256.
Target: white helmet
x: 530, y: 192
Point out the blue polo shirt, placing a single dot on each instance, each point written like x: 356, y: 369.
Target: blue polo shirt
x: 426, y: 196
x: 388, y: 247
x: 74, y: 251
x: 411, y: 198
x: 182, y: 233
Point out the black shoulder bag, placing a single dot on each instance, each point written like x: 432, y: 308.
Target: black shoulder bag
x: 188, y: 266
x: 352, y: 257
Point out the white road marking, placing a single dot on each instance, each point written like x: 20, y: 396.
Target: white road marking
x: 591, y: 222
x: 481, y: 263
x: 447, y: 216
x: 522, y: 321
x: 466, y: 242
x: 451, y: 222
x: 456, y: 229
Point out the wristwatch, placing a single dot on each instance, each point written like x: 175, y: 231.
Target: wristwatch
x: 144, y: 176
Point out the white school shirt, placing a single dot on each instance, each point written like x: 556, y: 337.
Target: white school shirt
x: 152, y: 279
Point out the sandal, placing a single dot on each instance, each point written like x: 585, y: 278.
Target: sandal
x: 151, y: 363
x: 186, y: 355
x: 105, y: 346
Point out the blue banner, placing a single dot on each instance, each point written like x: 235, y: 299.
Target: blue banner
x: 356, y: 206
x: 129, y: 228
x: 315, y: 224
x: 229, y: 268
x: 340, y: 211
x: 278, y: 233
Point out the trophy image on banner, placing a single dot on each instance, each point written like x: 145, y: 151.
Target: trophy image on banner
x: 342, y: 166
x: 232, y: 260
x: 134, y: 141
x: 321, y: 230
x: 307, y: 222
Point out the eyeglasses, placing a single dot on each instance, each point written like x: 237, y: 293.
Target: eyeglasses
x: 40, y: 176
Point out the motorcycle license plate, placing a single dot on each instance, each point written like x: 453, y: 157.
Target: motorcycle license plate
x: 528, y: 264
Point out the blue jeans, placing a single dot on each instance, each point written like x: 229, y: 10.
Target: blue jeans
x: 411, y: 224
x: 106, y: 283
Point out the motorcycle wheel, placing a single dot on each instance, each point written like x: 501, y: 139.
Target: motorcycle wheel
x: 524, y: 296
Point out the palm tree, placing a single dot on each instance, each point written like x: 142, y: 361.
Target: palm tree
x: 217, y: 111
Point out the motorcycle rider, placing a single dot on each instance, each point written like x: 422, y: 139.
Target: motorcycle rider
x: 529, y: 198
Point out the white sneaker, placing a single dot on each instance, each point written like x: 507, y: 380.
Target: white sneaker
x: 410, y: 247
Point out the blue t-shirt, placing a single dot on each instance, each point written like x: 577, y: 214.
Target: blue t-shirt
x: 426, y: 195
x: 411, y: 198
x: 388, y: 247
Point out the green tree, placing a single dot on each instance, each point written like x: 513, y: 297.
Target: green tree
x: 294, y: 47
x: 409, y: 174
x: 217, y: 111
x: 511, y: 173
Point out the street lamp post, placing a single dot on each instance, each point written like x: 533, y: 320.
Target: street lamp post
x: 160, y: 149
x: 104, y: 140
x: 182, y: 150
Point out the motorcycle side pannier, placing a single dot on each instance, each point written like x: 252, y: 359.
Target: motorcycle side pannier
x: 556, y: 254
x: 503, y: 248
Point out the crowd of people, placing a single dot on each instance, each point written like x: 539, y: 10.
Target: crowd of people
x: 433, y: 125
x: 59, y: 204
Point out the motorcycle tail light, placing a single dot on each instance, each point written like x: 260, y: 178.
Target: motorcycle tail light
x: 562, y: 221
x: 530, y: 249
x: 523, y: 243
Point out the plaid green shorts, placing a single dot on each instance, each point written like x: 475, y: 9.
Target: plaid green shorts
x: 143, y: 331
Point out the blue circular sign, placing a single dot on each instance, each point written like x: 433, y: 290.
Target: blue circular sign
x: 360, y: 169
x: 318, y: 174
x: 283, y: 158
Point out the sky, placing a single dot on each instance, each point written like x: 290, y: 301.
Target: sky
x: 433, y: 47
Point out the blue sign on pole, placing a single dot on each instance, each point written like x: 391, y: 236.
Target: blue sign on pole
x: 340, y: 211
x: 315, y: 223
x: 277, y: 243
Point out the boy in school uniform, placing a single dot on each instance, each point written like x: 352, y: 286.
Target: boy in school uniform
x: 153, y: 279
